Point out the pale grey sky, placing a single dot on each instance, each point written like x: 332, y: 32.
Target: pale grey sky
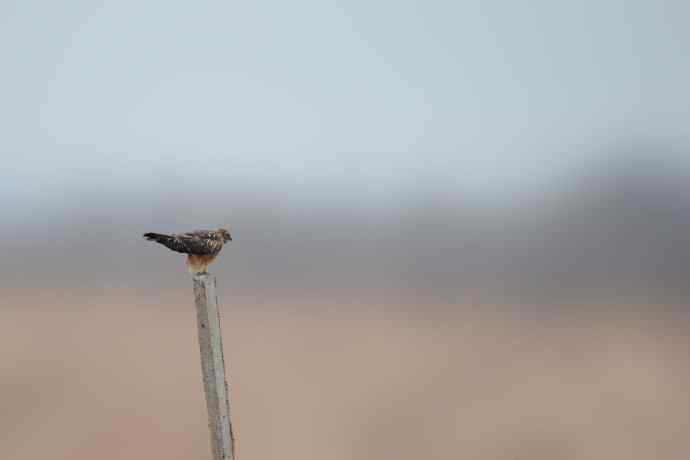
x: 487, y: 95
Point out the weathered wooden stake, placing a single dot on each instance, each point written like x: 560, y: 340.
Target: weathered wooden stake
x: 213, y: 367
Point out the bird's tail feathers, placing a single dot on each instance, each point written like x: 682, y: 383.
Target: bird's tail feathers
x: 158, y: 237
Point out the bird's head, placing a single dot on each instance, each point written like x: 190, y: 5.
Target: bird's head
x: 225, y: 234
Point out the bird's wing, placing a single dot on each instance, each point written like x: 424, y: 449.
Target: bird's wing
x: 200, y: 234
x: 198, y: 242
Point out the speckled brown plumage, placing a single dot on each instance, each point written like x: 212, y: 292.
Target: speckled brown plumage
x: 201, y: 246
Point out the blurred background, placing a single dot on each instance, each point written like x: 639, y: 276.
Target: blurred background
x: 460, y: 229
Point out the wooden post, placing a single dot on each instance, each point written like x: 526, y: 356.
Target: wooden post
x: 213, y: 367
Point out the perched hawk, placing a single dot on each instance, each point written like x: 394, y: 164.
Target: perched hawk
x: 201, y: 246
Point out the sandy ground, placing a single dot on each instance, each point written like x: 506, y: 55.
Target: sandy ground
x: 122, y: 381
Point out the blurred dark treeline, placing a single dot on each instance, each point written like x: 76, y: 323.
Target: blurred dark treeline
x: 617, y: 229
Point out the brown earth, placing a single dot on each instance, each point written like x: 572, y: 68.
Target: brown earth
x: 123, y: 382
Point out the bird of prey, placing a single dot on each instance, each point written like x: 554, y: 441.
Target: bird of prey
x: 201, y: 246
